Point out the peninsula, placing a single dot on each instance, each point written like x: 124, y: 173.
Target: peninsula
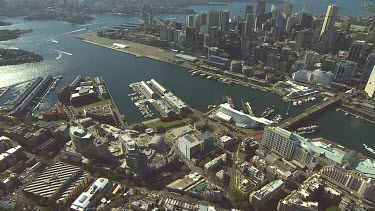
x: 136, y: 49
x: 2, y: 23
x: 15, y: 56
x: 7, y: 34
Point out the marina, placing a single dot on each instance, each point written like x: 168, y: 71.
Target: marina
x: 346, y: 113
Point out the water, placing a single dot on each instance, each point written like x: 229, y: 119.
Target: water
x: 71, y: 57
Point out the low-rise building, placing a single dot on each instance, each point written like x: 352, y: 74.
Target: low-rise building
x: 260, y: 197
x: 89, y: 198
x: 59, y: 182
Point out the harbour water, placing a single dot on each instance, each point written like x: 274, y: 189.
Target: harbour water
x: 71, y: 57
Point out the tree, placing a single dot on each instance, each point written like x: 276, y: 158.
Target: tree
x: 239, y: 200
x: 161, y: 129
x: 333, y: 208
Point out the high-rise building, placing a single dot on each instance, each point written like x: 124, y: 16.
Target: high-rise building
x: 330, y: 19
x: 189, y: 21
x: 261, y: 8
x: 200, y: 20
x: 280, y: 141
x: 190, y: 36
x: 278, y: 31
x: 249, y: 27
x: 370, y: 63
x: 163, y: 32
x: 213, y: 18
x: 344, y: 71
x: 224, y: 21
x: 356, y: 50
x: 370, y: 87
x: 288, y: 8
x: 249, y: 10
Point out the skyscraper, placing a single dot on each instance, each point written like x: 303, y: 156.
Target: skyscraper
x: 356, y: 50
x: 213, y: 18
x: 287, y: 12
x: 370, y: 63
x: 330, y: 19
x: 224, y: 21
x: 370, y: 87
x: 249, y: 27
x: 200, y: 20
x: 189, y: 21
x: 261, y: 8
x: 344, y: 71
x: 249, y: 9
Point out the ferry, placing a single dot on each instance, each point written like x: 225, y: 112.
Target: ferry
x: 309, y: 128
x: 369, y: 149
x: 306, y: 132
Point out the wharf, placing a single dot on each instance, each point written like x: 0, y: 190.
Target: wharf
x: 3, y: 90
x: 115, y: 108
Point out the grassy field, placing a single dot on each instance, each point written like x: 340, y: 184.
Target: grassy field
x: 100, y: 103
x: 248, y: 131
x: 167, y: 125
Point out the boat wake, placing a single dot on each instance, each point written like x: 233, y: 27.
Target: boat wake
x: 78, y: 30
x: 61, y: 53
x: 8, y: 47
x: 59, y: 57
x: 51, y: 40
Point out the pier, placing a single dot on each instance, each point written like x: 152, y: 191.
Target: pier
x: 310, y: 112
x: 115, y: 108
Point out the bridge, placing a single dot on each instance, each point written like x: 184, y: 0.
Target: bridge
x: 154, y: 18
x: 310, y: 112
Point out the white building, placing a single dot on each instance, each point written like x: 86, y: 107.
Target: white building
x: 260, y: 197
x: 370, y: 87
x: 91, y: 196
x: 317, y: 76
x: 227, y: 113
x: 279, y: 140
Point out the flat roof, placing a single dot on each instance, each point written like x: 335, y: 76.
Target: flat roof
x: 84, y: 199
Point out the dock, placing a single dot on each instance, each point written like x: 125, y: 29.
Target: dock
x: 3, y: 90
x: 247, y: 107
x: 115, y: 109
x: 310, y: 112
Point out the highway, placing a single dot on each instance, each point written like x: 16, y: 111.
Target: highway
x: 309, y: 112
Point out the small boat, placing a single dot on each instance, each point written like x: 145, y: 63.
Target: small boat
x: 346, y: 113
x: 357, y: 117
x: 295, y: 103
x: 369, y: 149
x: 209, y: 77
x: 299, y: 102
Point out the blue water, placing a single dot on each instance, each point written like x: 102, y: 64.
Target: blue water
x: 71, y: 57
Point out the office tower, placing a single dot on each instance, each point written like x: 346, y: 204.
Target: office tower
x: 261, y: 8
x: 370, y: 86
x: 163, y: 32
x: 275, y: 12
x: 287, y: 12
x: 249, y: 27
x: 249, y: 10
x: 344, y: 71
x: 213, y: 18
x: 189, y: 21
x: 224, y: 21
x: 306, y: 20
x: 356, y: 50
x: 330, y: 19
x: 370, y: 63
x: 214, y: 32
x: 190, y: 36
x: 200, y: 20
x: 245, y: 45
x: 278, y: 31
x: 170, y: 34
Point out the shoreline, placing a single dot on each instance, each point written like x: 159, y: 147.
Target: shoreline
x: 157, y: 54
